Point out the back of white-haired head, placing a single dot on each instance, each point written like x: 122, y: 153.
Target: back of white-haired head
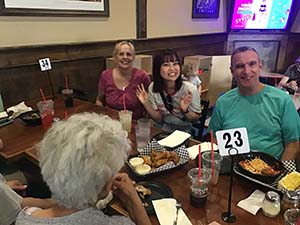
x: 80, y: 155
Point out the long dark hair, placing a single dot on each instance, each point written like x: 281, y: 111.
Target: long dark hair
x: 167, y: 55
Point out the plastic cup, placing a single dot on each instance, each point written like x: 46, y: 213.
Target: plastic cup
x: 125, y: 117
x: 292, y: 217
x: 207, y: 163
x: 68, y: 97
x: 46, y: 109
x: 199, y: 187
x: 142, y: 133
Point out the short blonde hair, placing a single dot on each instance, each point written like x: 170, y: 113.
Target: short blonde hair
x: 119, y: 44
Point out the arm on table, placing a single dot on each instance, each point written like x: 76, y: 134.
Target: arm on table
x: 285, y: 84
x: 100, y: 100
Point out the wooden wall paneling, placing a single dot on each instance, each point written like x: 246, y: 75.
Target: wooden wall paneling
x: 22, y: 83
x: 82, y: 75
x: 83, y: 63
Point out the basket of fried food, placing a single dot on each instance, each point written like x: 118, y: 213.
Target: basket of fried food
x: 260, y: 166
x: 155, y: 159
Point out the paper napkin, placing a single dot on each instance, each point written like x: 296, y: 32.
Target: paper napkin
x: 3, y: 115
x: 166, y: 212
x: 205, y: 146
x: 253, y: 203
x: 174, y: 139
x: 18, y: 109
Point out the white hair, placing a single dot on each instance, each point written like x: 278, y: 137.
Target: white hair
x: 80, y: 155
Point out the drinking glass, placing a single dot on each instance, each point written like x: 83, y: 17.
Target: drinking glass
x: 207, y: 163
x: 125, y: 117
x: 46, y: 109
x: 199, y: 186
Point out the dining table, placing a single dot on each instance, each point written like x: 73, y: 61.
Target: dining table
x: 19, y: 141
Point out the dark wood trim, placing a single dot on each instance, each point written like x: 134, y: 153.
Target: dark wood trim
x: 141, y: 18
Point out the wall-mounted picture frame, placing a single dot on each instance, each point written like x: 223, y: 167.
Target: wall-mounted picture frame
x: 88, y: 8
x: 205, y: 8
x: 267, y: 50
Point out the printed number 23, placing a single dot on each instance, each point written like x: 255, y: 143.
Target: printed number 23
x: 238, y: 142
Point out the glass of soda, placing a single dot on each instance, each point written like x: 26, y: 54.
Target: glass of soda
x: 199, y: 186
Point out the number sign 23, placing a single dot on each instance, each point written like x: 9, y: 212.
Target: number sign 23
x: 235, y: 139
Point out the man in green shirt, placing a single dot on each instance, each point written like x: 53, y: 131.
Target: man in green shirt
x: 268, y: 113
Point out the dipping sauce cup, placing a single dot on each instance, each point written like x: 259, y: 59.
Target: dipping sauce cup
x: 46, y: 109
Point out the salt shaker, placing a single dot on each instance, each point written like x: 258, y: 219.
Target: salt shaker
x: 271, y: 204
x: 290, y: 200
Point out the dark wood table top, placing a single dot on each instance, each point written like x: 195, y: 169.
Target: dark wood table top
x: 20, y: 140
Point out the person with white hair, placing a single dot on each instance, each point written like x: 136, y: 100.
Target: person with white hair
x: 79, y: 159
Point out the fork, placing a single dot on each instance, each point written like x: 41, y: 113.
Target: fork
x: 178, y: 206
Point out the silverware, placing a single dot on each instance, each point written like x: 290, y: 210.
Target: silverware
x: 178, y: 206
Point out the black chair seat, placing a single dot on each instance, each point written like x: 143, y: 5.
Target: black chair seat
x: 199, y: 125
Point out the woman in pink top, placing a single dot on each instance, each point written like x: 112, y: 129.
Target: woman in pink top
x: 122, y: 80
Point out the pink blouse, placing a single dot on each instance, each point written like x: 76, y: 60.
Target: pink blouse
x: 114, y: 95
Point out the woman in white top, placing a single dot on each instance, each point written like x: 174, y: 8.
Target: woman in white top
x: 172, y: 103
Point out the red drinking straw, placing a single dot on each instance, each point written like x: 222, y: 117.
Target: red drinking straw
x: 66, y: 82
x: 124, y: 103
x: 66, y: 114
x: 199, y: 163
x: 212, y: 153
x: 42, y: 94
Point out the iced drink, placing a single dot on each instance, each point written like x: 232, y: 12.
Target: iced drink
x: 46, y: 109
x: 68, y: 97
x: 125, y: 117
x: 142, y: 133
x: 207, y: 163
x: 199, y: 187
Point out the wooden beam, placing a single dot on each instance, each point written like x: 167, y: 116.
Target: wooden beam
x: 141, y: 18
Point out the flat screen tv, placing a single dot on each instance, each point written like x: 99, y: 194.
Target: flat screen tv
x: 260, y: 14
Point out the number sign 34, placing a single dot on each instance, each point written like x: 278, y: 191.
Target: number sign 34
x: 45, y: 64
x: 233, y: 141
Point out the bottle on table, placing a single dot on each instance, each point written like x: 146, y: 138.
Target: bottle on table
x: 271, y: 204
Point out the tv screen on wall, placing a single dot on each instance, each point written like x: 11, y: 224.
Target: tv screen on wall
x: 260, y: 14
